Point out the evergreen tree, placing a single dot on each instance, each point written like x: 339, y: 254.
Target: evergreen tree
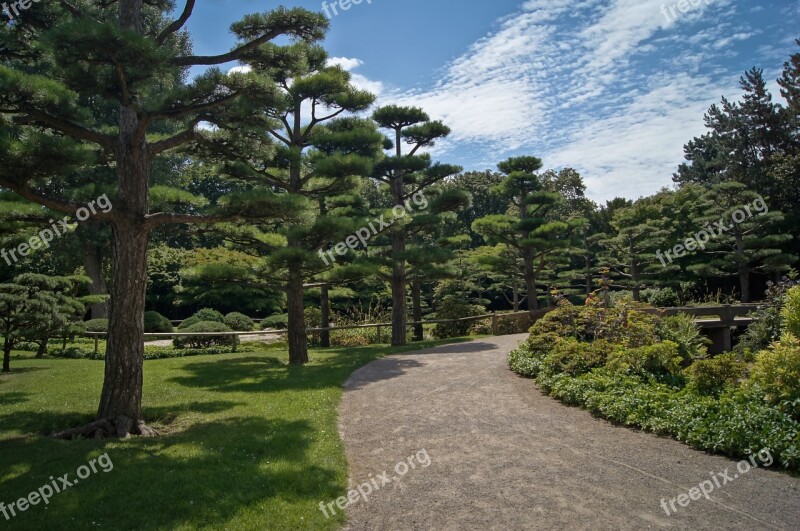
x: 407, y: 175
x: 58, y: 62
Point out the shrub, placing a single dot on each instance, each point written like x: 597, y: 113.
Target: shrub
x: 768, y: 326
x: 206, y: 341
x: 96, y: 325
x: 681, y: 329
x: 710, y: 377
x: 186, y: 323
x: 661, y: 298
x: 239, y: 322
x: 208, y: 314
x: 350, y: 338
x: 791, y: 312
x: 279, y: 321
x: 155, y: 323
x: 573, y: 357
x: 660, y: 359
x: 777, y: 371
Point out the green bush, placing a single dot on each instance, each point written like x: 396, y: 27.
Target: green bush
x: 710, y: 377
x: 278, y: 321
x: 186, y: 323
x: 791, y: 312
x: 661, y: 298
x: 777, y: 371
x: 209, y: 314
x: 155, y: 323
x: 206, y: 341
x: 96, y: 325
x: 155, y: 353
x: 573, y: 357
x: 660, y: 359
x: 239, y: 322
x: 681, y: 329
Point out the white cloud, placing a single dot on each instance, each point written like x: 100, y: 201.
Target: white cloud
x: 345, y: 62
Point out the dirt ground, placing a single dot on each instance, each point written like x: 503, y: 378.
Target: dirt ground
x: 504, y: 456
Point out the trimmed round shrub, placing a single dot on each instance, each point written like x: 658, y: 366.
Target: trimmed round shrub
x: 186, y: 323
x: 206, y: 341
x: 279, y: 321
x: 155, y: 323
x: 239, y: 322
x: 660, y: 359
x: 96, y: 325
x: 662, y: 298
x: 208, y: 314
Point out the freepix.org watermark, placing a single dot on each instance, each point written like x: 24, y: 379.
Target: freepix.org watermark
x: 375, y: 227
x: 59, y: 228
x: 16, y: 7
x: 344, y: 5
x: 374, y: 484
x: 720, y: 479
x: 48, y: 490
x: 709, y: 232
x: 684, y: 6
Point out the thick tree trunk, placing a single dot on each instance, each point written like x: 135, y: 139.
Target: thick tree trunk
x: 42, y: 349
x: 93, y: 263
x: 121, y: 399
x: 744, y: 282
x: 530, y: 284
x: 120, y: 410
x: 6, y: 356
x: 298, y: 340
x: 416, y: 302
x: 325, y: 317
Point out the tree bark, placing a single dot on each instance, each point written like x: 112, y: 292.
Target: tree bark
x: 635, y: 291
x: 530, y: 284
x: 399, y: 307
x: 416, y: 301
x: 516, y: 297
x: 93, y: 263
x: 298, y: 340
x: 6, y: 356
x: 42, y: 349
x: 325, y: 317
x: 121, y: 398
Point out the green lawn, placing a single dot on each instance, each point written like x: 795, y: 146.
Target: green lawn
x: 247, y: 442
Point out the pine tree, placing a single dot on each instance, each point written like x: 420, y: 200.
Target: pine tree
x: 47, y: 90
x: 526, y: 228
x: 407, y: 174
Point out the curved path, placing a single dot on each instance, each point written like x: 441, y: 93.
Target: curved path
x: 504, y: 456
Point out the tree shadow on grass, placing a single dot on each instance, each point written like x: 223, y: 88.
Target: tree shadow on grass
x: 15, y: 397
x: 255, y: 374
x: 201, y: 477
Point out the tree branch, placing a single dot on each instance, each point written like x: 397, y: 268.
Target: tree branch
x: 69, y: 128
x: 59, y: 205
x: 177, y: 24
x: 193, y: 60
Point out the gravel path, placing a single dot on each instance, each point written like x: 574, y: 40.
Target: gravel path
x: 504, y: 456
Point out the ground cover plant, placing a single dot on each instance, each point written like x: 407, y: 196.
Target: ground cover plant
x: 645, y: 371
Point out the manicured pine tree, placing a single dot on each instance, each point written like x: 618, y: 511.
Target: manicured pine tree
x: 526, y: 228
x: 48, y: 88
x: 314, y: 165
x: 751, y: 243
x: 406, y: 174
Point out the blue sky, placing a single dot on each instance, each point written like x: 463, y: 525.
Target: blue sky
x: 613, y: 88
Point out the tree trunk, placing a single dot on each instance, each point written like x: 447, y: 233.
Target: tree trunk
x: 416, y: 301
x: 325, y: 316
x: 93, y: 263
x: 120, y: 410
x: 634, y: 274
x: 516, y: 297
x: 744, y: 282
x: 6, y: 355
x: 42, y: 349
x: 298, y: 340
x: 398, y: 274
x: 530, y: 284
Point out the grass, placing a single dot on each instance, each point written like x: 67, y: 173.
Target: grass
x: 247, y: 442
